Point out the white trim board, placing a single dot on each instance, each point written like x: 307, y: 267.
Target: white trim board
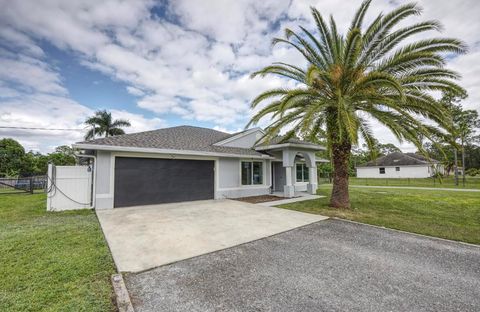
x: 113, y: 148
x: 294, y: 145
x: 238, y: 136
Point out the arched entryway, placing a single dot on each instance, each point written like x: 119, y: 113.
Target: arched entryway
x: 290, y: 159
x: 284, y: 171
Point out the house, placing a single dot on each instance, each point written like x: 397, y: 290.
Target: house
x: 399, y: 165
x: 191, y: 163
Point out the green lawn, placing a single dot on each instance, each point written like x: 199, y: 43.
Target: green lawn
x: 451, y: 215
x: 51, y: 261
x: 447, y: 182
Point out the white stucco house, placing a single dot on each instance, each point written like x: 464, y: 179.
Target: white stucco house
x: 399, y: 165
x: 191, y: 163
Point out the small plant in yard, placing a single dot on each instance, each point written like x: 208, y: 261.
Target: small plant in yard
x: 472, y: 172
x: 373, y: 72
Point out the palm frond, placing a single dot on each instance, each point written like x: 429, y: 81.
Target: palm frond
x: 372, y: 71
x: 359, y: 15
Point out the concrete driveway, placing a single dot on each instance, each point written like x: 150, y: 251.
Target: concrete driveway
x: 145, y: 237
x: 331, y: 265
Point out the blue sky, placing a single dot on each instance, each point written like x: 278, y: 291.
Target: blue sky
x: 161, y: 63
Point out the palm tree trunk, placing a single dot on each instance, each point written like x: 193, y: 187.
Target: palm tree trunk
x: 340, y: 154
x: 463, y: 164
x: 455, y: 166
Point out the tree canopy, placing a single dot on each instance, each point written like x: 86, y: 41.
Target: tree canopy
x: 373, y: 72
x: 103, y: 125
x: 15, y: 162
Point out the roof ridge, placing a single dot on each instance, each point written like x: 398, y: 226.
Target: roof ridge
x: 375, y: 161
x: 154, y: 130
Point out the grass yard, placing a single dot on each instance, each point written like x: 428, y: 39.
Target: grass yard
x: 446, y: 182
x: 452, y: 215
x: 52, y: 261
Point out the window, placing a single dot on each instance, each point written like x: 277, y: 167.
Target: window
x: 302, y: 173
x: 252, y: 172
x: 397, y: 168
x: 382, y: 170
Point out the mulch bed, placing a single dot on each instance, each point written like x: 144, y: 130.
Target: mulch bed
x: 259, y: 199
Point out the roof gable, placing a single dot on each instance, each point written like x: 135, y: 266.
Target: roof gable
x: 280, y: 142
x: 243, y: 139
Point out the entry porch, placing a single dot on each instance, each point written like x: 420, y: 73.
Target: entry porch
x: 295, y: 166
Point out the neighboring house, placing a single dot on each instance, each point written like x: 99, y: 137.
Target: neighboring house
x: 191, y: 163
x: 399, y: 165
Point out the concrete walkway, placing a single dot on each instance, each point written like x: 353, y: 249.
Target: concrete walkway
x: 417, y: 188
x: 290, y: 200
x: 145, y: 237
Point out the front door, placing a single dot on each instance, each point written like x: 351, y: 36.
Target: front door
x: 278, y: 172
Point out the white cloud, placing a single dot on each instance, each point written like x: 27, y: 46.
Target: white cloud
x: 196, y: 62
x: 228, y: 21
x: 138, y: 122
x: 469, y: 67
x: 135, y: 91
x: 33, y: 74
x: 43, y: 111
x: 21, y: 41
x: 227, y: 130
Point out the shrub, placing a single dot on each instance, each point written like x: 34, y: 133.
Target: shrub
x: 472, y: 171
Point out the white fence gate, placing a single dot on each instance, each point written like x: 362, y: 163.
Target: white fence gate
x: 69, y: 187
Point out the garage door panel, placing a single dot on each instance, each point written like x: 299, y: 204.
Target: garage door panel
x: 147, y: 181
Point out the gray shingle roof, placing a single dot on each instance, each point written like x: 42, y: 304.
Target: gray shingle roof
x: 186, y: 138
x: 399, y: 159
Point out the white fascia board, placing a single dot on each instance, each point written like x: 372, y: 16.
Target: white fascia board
x: 285, y: 145
x: 162, y: 151
x: 238, y: 136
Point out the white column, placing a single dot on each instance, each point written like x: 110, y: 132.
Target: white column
x: 289, y: 188
x: 312, y: 180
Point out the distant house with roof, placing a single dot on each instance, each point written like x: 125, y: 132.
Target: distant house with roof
x: 400, y: 165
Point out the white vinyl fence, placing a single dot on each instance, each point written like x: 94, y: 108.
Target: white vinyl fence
x: 69, y: 187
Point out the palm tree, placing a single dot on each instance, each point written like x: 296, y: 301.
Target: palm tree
x: 103, y: 124
x: 362, y: 76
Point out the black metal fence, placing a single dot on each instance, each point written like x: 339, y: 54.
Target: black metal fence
x: 23, y: 185
x: 440, y: 182
x: 324, y: 177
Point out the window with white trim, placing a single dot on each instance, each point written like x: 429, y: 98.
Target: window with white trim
x: 381, y: 170
x: 302, y: 173
x: 252, y: 172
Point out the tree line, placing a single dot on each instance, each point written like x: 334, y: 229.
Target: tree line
x: 16, y: 162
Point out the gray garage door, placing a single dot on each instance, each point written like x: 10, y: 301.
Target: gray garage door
x: 147, y: 181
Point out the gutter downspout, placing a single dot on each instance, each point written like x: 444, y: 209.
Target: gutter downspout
x: 94, y: 182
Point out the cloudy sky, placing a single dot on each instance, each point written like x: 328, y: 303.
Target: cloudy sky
x: 160, y: 63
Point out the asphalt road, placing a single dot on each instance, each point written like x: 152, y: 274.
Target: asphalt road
x: 330, y: 265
